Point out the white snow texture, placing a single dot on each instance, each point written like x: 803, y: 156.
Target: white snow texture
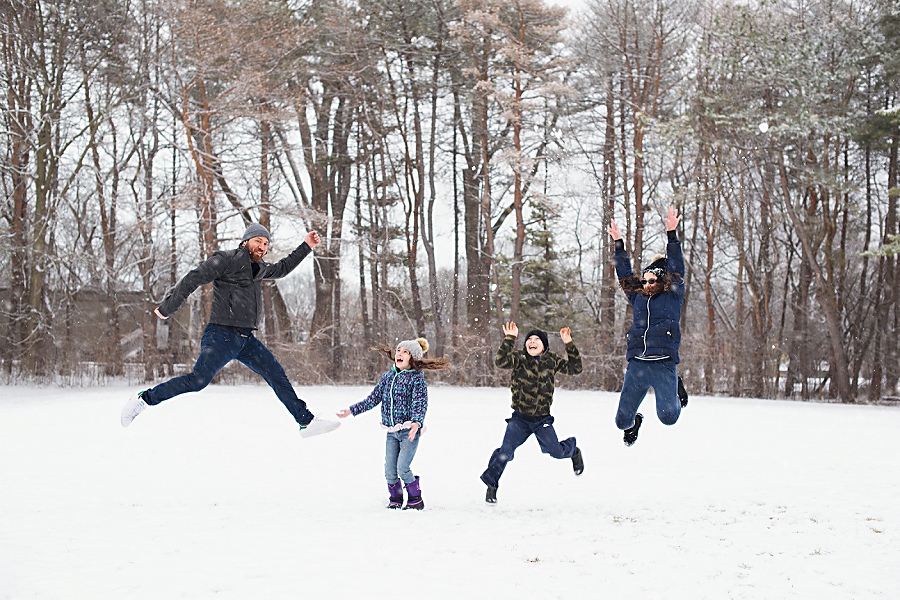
x: 216, y: 495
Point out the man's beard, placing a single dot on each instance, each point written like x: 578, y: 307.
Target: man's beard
x: 257, y: 256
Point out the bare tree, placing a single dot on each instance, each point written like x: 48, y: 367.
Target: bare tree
x: 50, y: 53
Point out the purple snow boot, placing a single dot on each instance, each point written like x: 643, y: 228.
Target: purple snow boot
x: 414, y: 493
x: 395, y: 490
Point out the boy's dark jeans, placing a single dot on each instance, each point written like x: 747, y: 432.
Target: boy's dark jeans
x: 219, y: 346
x: 519, y: 428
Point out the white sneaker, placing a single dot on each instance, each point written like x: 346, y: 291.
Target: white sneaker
x: 133, y: 408
x: 318, y: 426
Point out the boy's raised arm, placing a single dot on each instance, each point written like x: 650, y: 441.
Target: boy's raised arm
x: 506, y: 354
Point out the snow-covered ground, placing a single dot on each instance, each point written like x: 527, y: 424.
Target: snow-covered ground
x: 215, y: 494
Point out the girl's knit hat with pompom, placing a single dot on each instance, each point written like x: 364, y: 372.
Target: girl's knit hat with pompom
x: 417, y: 347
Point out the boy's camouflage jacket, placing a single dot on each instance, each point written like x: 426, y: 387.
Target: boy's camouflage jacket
x: 533, y: 379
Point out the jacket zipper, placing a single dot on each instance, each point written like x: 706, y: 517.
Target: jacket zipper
x: 644, y: 353
x: 252, y: 289
x: 391, y: 392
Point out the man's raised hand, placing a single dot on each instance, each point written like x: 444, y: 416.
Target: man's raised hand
x: 312, y: 239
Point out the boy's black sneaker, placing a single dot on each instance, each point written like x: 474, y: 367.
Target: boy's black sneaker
x: 491, y: 496
x: 577, y: 462
x: 632, y: 432
x: 682, y: 393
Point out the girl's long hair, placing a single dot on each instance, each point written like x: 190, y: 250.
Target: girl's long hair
x: 633, y: 285
x: 418, y: 364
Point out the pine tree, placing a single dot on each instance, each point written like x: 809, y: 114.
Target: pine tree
x: 548, y: 281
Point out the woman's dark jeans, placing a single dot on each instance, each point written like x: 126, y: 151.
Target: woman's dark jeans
x: 641, y: 375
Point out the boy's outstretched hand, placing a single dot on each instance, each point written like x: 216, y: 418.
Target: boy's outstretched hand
x: 511, y: 328
x: 566, y: 334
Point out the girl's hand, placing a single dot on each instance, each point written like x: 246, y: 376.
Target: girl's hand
x: 614, y: 230
x: 566, y: 334
x: 343, y: 414
x: 511, y: 328
x: 672, y: 219
x: 414, y: 428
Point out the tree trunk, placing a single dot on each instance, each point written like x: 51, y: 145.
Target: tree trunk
x: 205, y: 202
x: 19, y: 128
x: 36, y: 350
x: 107, y: 206
x: 477, y: 275
x: 145, y: 216
x: 886, y: 371
x: 827, y: 299
x: 330, y: 171
x: 611, y: 377
x: 428, y: 234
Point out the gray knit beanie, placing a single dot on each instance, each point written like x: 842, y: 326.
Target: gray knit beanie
x: 254, y: 230
x: 415, y: 348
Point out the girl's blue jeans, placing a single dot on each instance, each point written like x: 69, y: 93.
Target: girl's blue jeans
x: 398, y: 456
x: 641, y: 375
x: 219, y: 346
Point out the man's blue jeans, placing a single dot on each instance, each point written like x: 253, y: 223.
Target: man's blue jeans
x: 398, y: 456
x: 641, y: 375
x: 219, y: 346
x: 518, y: 429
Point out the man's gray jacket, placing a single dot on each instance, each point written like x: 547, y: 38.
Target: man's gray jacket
x: 237, y: 294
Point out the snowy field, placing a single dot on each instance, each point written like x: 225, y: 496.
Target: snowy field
x: 215, y: 495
